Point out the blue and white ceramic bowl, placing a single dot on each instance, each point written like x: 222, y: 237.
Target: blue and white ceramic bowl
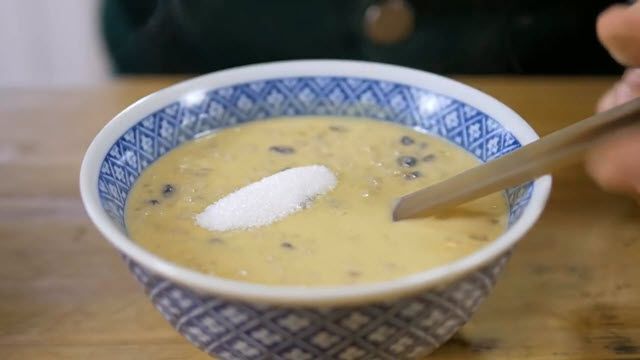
x: 404, y: 318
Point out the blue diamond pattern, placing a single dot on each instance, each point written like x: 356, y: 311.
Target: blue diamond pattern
x: 406, y: 328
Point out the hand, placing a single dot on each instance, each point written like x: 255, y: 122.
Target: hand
x: 615, y: 164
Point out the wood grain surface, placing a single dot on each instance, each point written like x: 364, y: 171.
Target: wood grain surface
x: 571, y: 291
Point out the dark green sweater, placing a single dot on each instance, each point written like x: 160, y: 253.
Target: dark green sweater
x: 449, y: 36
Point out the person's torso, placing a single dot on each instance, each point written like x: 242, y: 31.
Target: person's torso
x: 473, y: 36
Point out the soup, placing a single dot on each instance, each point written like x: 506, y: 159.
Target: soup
x: 345, y: 236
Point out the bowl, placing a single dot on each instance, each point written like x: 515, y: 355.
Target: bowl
x: 407, y: 317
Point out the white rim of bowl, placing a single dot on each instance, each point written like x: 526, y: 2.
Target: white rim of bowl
x: 300, y: 295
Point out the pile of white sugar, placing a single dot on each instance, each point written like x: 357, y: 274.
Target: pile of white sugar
x: 269, y: 199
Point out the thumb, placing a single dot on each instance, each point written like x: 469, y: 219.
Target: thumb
x: 618, y: 29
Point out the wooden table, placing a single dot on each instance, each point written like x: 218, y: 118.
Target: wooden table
x: 572, y: 290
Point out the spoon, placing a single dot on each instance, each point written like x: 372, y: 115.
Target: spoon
x: 560, y: 148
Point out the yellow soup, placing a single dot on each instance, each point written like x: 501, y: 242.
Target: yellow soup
x: 345, y: 236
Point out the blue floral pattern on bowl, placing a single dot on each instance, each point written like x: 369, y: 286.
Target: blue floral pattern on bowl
x: 405, y: 328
